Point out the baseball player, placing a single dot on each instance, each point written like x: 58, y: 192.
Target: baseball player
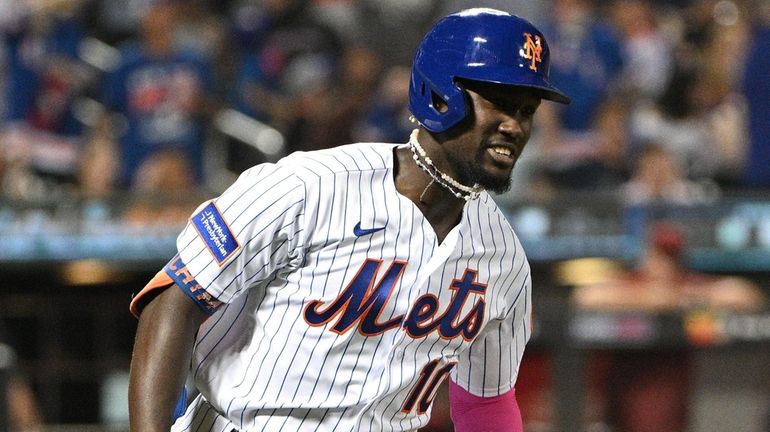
x: 335, y: 290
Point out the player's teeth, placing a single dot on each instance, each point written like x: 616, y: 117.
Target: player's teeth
x: 502, y: 150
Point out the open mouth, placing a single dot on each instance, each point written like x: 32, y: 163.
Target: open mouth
x: 502, y: 155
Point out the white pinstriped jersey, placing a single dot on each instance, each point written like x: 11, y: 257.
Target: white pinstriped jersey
x: 339, y: 310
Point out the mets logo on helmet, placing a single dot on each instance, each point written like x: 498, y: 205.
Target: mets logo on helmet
x: 532, y: 50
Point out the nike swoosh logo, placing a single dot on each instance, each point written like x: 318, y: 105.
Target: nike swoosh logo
x: 358, y: 231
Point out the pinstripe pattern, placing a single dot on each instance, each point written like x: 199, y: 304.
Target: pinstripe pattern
x: 260, y: 364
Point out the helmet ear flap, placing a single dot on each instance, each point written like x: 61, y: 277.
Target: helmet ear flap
x: 436, y: 107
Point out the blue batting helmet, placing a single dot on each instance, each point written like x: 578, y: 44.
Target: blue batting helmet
x: 481, y: 45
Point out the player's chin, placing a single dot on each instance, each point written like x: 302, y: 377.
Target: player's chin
x: 497, y: 181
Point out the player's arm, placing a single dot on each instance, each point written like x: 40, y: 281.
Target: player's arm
x: 472, y: 413
x: 481, y: 388
x: 162, y: 352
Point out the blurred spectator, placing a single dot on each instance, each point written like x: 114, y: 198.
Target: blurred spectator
x: 647, y: 49
x: 23, y: 413
x: 162, y: 99
x: 700, y: 115
x: 386, y: 119
x: 40, y: 137
x: 99, y: 163
x: 612, y: 135
x: 287, y: 74
x: 343, y: 16
x: 43, y: 68
x: 649, y: 390
x: 328, y: 119
x: 394, y: 27
x: 724, y: 112
x: 587, y: 60
x: 658, y: 179
x: 326, y: 115
x: 756, y: 87
x: 201, y: 31
x: 115, y: 21
x: 717, y: 98
x: 161, y: 196
x: 676, y: 123
x: 253, y: 22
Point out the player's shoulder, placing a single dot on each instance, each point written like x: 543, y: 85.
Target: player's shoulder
x: 340, y: 160
x: 305, y: 171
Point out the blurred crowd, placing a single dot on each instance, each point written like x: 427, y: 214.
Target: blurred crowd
x: 121, y: 101
x: 106, y: 98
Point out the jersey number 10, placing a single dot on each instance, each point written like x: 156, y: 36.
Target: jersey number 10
x: 424, y: 390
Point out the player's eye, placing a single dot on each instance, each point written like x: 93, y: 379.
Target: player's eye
x: 505, y: 105
x: 528, y: 110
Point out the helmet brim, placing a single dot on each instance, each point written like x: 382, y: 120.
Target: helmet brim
x: 551, y: 93
x: 546, y: 90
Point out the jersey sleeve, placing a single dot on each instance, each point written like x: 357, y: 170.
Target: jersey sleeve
x: 490, y: 365
x: 242, y: 239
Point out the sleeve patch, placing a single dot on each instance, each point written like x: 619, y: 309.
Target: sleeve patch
x: 177, y: 270
x: 214, y: 231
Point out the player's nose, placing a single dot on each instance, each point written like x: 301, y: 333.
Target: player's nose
x: 511, y: 125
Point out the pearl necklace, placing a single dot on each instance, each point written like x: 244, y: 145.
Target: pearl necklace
x: 456, y: 188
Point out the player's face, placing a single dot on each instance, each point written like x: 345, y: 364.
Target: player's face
x: 494, y: 136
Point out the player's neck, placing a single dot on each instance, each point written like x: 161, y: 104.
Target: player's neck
x: 438, y: 205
